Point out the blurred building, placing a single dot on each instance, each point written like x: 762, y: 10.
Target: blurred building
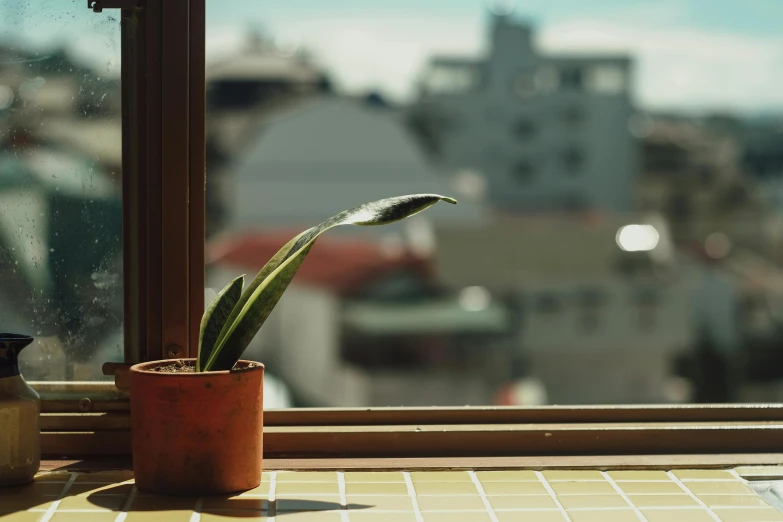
x: 602, y: 307
x: 329, y: 154
x: 546, y: 132
x: 693, y: 174
x: 362, y: 325
x: 365, y: 322
x: 762, y: 159
x: 242, y: 91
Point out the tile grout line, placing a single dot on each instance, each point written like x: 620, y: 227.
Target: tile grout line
x: 343, y: 502
x: 739, y: 477
x: 624, y: 496
x: 126, y: 506
x: 196, y: 515
x: 693, y: 496
x: 552, y: 494
x: 412, y: 495
x: 50, y: 512
x: 271, y: 504
x: 483, y: 495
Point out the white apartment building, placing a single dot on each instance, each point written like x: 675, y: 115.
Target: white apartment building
x: 547, y: 132
x: 596, y: 324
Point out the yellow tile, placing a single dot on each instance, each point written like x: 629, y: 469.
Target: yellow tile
x: 298, y: 488
x: 101, y: 503
x: 234, y: 503
x: 266, y: 476
x: 514, y: 488
x: 363, y: 516
x: 261, y: 490
x: 316, y: 516
x: 440, y: 476
x: 573, y: 475
x: 142, y: 493
x: 507, y: 476
x: 99, y: 489
x: 719, y: 488
x: 676, y: 515
x: 21, y: 516
x: 662, y: 501
x: 701, y: 474
x: 383, y: 502
x: 374, y: 476
x: 33, y: 489
x: 619, y: 515
x: 630, y: 474
x: 651, y: 488
x: 465, y: 502
x: 445, y: 488
x: 582, y: 488
x: 324, y: 503
x: 469, y: 516
x: 760, y: 471
x: 376, y: 489
x: 749, y: 515
x: 522, y: 502
x: 592, y: 501
x: 23, y: 503
x: 84, y: 517
x: 530, y: 516
x: 307, y: 476
x: 178, y: 515
x: 162, y: 503
x: 105, y: 476
x: 53, y: 476
x: 732, y: 500
x: 226, y: 516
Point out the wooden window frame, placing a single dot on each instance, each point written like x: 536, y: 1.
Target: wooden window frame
x: 163, y: 85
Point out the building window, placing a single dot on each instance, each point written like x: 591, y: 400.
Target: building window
x: 607, y: 79
x: 524, y: 85
x: 590, y: 302
x: 523, y: 171
x: 524, y: 129
x: 547, y: 79
x: 571, y: 79
x: 548, y: 303
x: 573, y: 160
x: 646, y: 301
x: 573, y: 116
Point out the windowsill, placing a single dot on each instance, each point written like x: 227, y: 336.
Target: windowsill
x: 424, y: 496
x: 710, y: 436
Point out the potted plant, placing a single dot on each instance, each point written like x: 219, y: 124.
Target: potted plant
x: 197, y: 423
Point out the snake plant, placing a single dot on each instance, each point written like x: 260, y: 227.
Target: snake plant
x: 235, y: 316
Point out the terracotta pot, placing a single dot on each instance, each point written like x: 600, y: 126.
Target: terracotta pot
x: 197, y: 433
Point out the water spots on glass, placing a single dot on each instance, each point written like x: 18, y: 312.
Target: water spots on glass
x: 60, y: 203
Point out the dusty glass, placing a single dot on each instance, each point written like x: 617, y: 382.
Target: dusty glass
x: 60, y: 187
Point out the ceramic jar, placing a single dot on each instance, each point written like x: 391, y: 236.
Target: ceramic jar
x: 20, y: 409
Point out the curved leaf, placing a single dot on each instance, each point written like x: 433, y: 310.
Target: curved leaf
x: 215, y: 317
x: 268, y: 286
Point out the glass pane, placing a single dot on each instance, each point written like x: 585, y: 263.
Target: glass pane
x: 60, y: 186
x: 620, y: 175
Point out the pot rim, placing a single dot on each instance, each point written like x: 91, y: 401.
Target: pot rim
x: 146, y: 368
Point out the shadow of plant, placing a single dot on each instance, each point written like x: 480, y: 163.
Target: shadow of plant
x: 224, y: 505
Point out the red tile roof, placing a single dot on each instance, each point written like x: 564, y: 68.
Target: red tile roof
x: 341, y: 265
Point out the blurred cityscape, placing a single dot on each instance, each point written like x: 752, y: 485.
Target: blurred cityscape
x: 602, y: 252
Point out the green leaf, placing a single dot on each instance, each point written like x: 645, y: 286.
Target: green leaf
x: 268, y: 286
x: 215, y: 317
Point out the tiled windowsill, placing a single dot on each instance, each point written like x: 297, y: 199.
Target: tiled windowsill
x: 415, y: 496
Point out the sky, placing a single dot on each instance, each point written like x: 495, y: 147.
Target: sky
x: 690, y: 55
